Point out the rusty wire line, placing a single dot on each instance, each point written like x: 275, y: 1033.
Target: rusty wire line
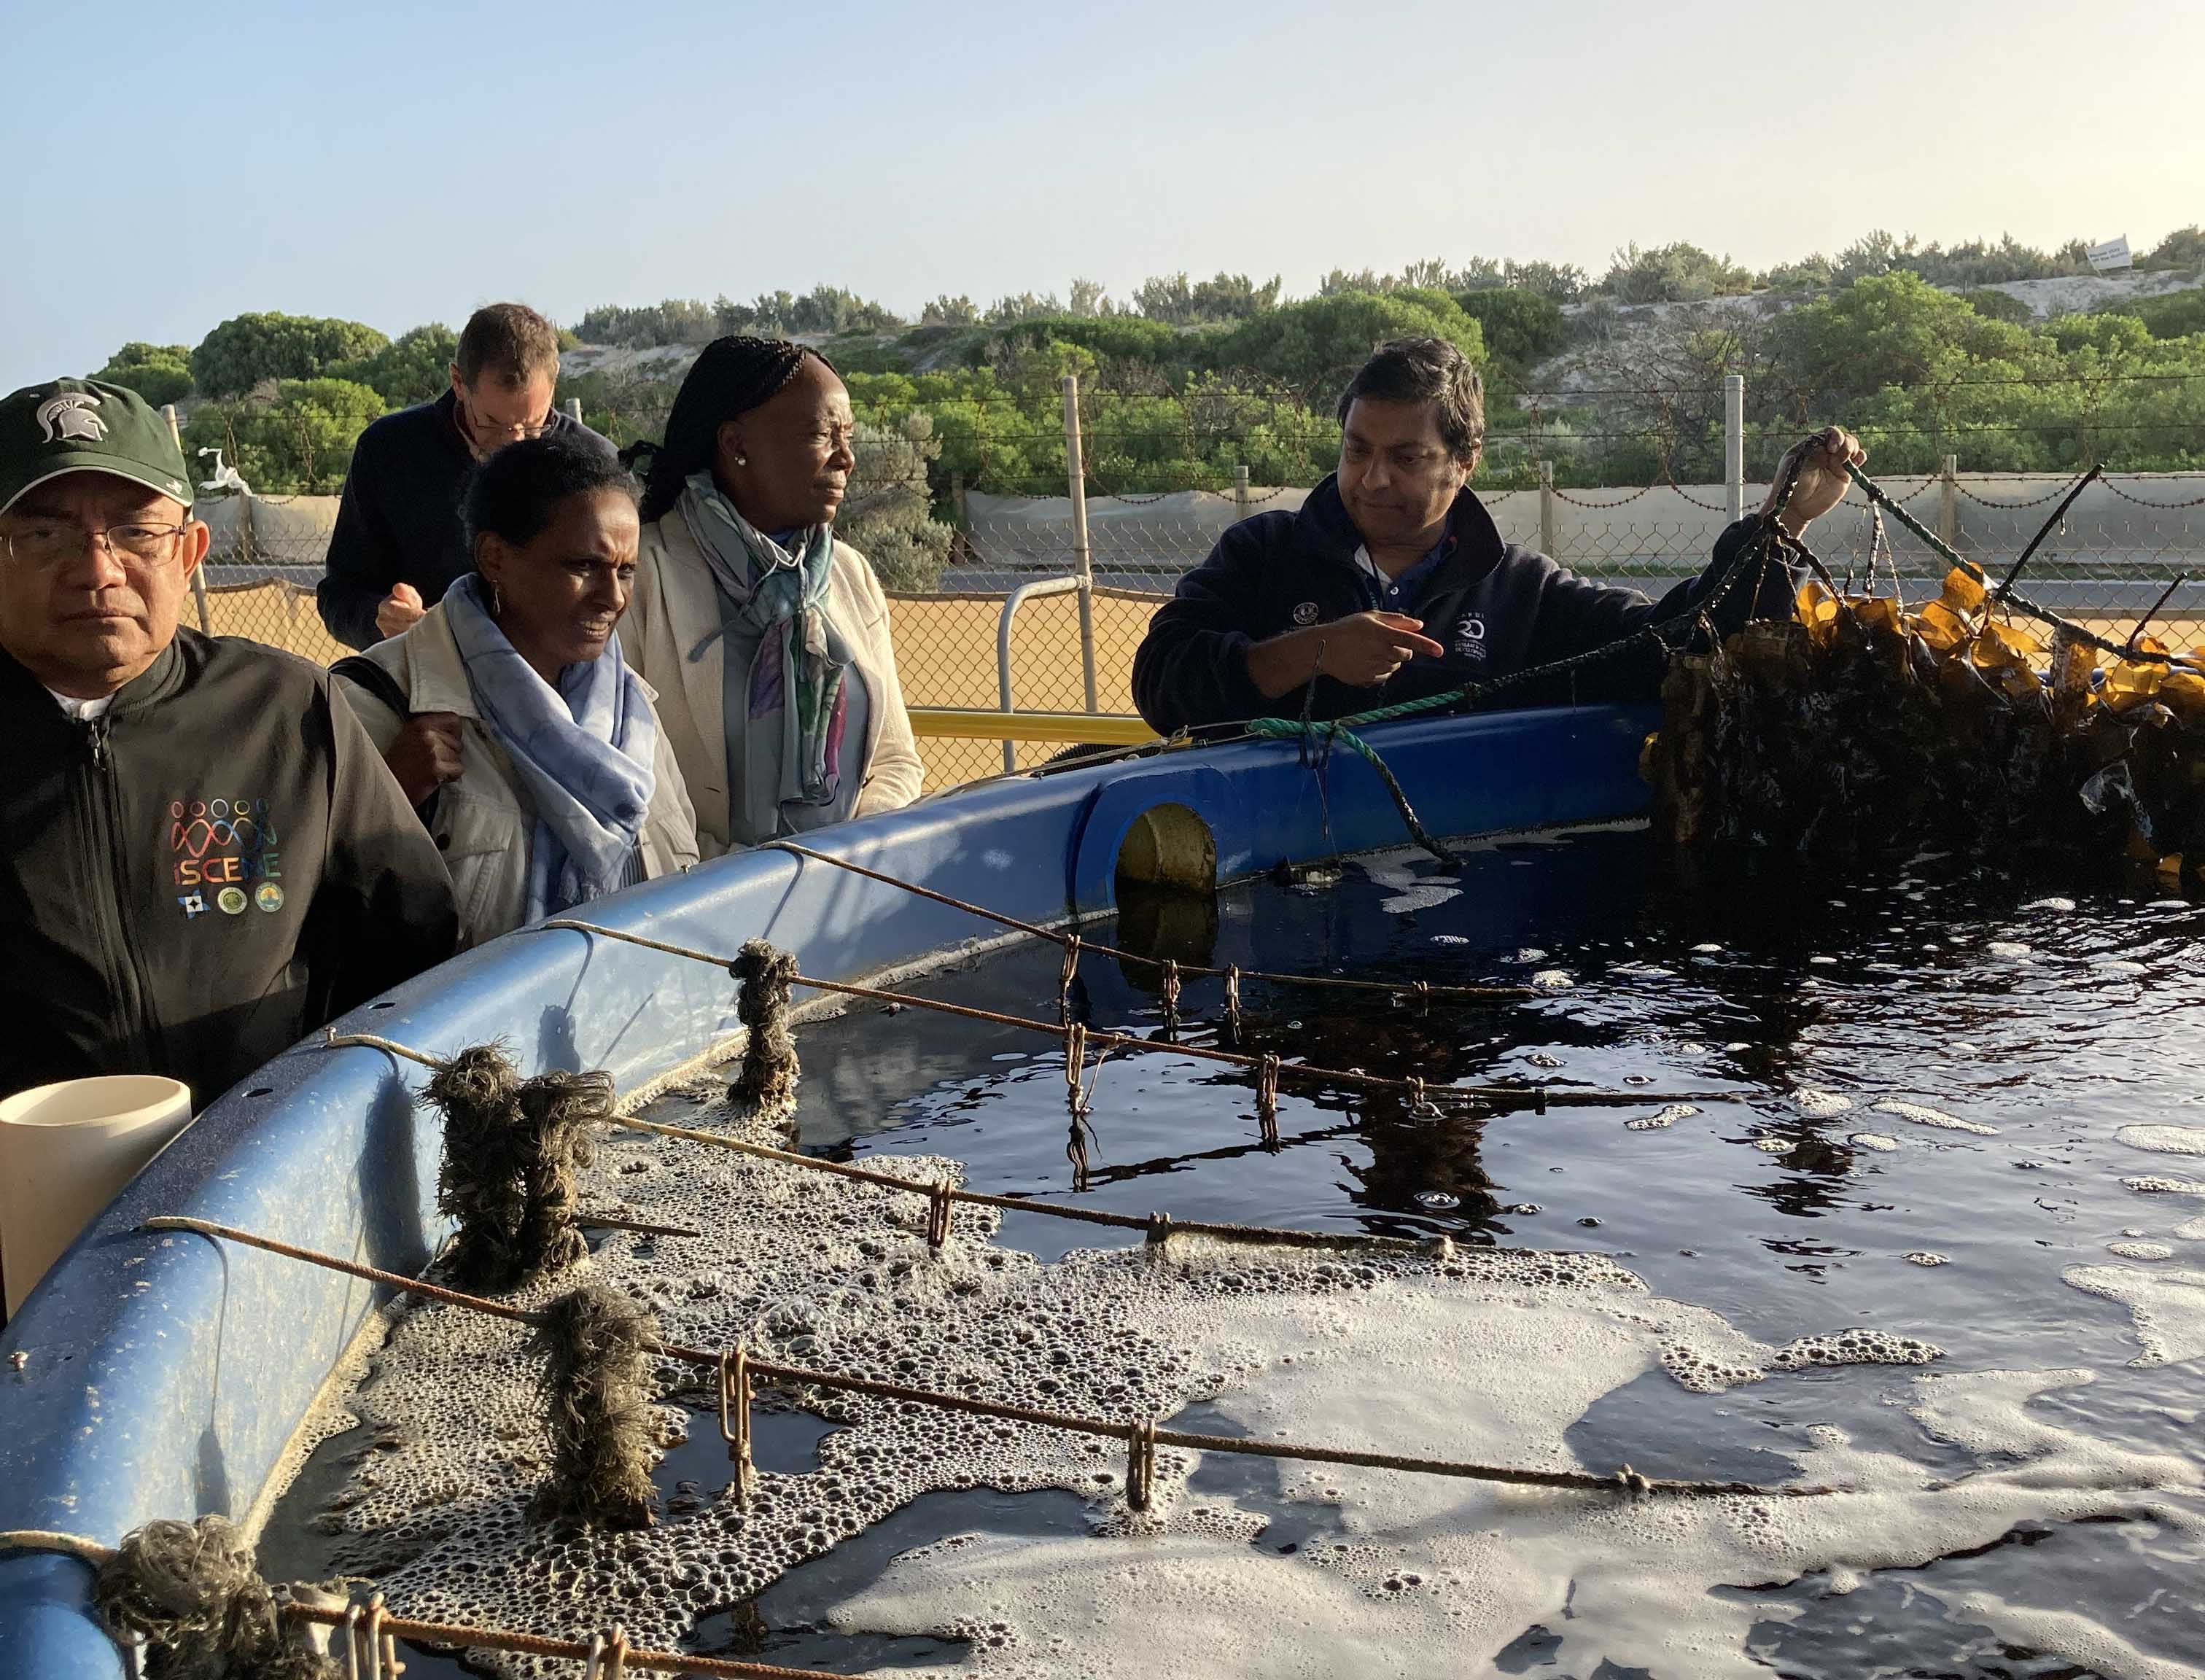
x: 451, y: 1634
x: 1156, y: 1226
x: 1540, y: 1097
x: 1418, y: 988
x: 1130, y: 1432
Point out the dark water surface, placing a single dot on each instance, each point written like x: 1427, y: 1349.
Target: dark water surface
x: 1789, y: 1015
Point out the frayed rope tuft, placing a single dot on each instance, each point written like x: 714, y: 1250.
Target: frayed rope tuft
x: 597, y: 1384
x: 192, y: 1591
x: 766, y: 1083
x: 512, y: 1151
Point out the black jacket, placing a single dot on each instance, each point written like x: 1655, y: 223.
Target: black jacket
x: 1496, y: 608
x: 198, y: 879
x: 399, y: 520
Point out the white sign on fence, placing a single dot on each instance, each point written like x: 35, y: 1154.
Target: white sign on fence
x: 2113, y: 254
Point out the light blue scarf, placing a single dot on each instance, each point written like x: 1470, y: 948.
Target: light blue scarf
x: 798, y: 709
x: 583, y: 751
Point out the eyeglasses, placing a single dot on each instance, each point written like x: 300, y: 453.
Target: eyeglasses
x: 55, y: 541
x: 485, y: 431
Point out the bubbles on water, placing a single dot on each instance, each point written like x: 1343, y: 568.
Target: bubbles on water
x: 2132, y: 1251
x: 1814, y: 1100
x: 1666, y: 1118
x: 1529, y: 954
x: 2165, y: 1140
x: 1875, y: 1141
x: 2009, y: 951
x: 1916, y: 1114
x: 1927, y: 1257
x: 1774, y: 1146
x: 1856, y: 1346
x: 1437, y: 1201
x: 1552, y: 980
x: 2058, y: 904
x: 2167, y: 1307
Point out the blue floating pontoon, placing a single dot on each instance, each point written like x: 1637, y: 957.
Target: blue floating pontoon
x: 165, y: 1375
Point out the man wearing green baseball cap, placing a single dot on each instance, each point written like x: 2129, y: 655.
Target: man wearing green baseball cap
x: 207, y: 856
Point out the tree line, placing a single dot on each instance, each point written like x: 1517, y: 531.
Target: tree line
x: 1194, y: 380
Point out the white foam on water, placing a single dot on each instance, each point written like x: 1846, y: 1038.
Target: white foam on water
x: 2165, y: 1140
x: 1708, y: 950
x: 1774, y: 1146
x: 1661, y: 1121
x: 1423, y: 896
x: 1925, y: 1257
x: 2009, y: 950
x: 2087, y: 1644
x: 1814, y: 1100
x: 1875, y: 1141
x: 2153, y: 1184
x: 1530, y: 954
x: 2050, y: 904
x: 2117, y: 965
x: 1437, y: 1577
x: 2136, y: 1250
x: 1552, y: 980
x: 2168, y: 1308
x: 1918, y: 1115
x: 1450, y: 939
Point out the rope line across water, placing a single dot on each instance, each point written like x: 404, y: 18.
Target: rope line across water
x: 1540, y: 1097
x: 448, y: 1634
x: 1418, y: 988
x: 1155, y: 1226
x: 1130, y: 1432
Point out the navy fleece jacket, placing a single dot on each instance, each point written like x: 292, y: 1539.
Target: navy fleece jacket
x: 1497, y: 609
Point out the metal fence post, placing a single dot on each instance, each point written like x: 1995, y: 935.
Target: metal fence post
x: 574, y: 407
x: 1546, y: 509
x: 1948, y: 503
x: 1240, y: 490
x: 1075, y: 472
x: 1734, y: 443
x: 198, y: 573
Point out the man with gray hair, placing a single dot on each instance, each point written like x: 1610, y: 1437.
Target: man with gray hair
x: 397, y: 545
x: 1392, y: 581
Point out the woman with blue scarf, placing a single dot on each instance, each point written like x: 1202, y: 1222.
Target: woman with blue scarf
x: 507, y: 713
x: 768, y: 639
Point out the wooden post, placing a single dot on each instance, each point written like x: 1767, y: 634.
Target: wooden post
x: 1734, y: 444
x: 1240, y: 490
x: 1547, y: 537
x: 1075, y: 472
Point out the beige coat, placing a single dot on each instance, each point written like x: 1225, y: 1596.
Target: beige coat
x: 484, y: 822
x: 675, y: 609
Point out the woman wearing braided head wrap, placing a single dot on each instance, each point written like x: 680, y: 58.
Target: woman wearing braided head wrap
x: 767, y: 638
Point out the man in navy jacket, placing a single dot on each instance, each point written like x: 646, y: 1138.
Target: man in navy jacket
x: 1392, y: 582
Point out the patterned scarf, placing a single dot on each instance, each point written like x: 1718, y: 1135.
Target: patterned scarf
x: 799, y: 700
x: 583, y: 751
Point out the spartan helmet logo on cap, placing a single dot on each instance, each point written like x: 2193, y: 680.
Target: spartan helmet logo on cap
x: 70, y: 416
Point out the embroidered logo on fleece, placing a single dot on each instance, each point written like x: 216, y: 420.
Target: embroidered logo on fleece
x: 1470, y: 638
x: 1305, y: 614
x: 222, y: 846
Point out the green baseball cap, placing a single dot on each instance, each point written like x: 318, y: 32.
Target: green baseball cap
x: 87, y: 425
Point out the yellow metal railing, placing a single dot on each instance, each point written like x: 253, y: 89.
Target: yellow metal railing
x: 972, y: 723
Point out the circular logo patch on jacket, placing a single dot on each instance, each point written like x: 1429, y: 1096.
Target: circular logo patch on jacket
x: 1305, y: 614
x: 268, y: 896
x: 231, y: 900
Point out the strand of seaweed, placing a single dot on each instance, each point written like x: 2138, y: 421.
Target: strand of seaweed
x: 1540, y: 1097
x: 1141, y: 1435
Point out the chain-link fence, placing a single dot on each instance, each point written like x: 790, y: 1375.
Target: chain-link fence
x: 1043, y: 598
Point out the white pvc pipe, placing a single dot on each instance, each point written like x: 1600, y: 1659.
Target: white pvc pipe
x: 65, y: 1152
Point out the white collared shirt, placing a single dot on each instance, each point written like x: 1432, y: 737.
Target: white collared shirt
x: 83, y: 711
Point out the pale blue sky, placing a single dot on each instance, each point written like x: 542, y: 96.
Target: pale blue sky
x: 403, y: 162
